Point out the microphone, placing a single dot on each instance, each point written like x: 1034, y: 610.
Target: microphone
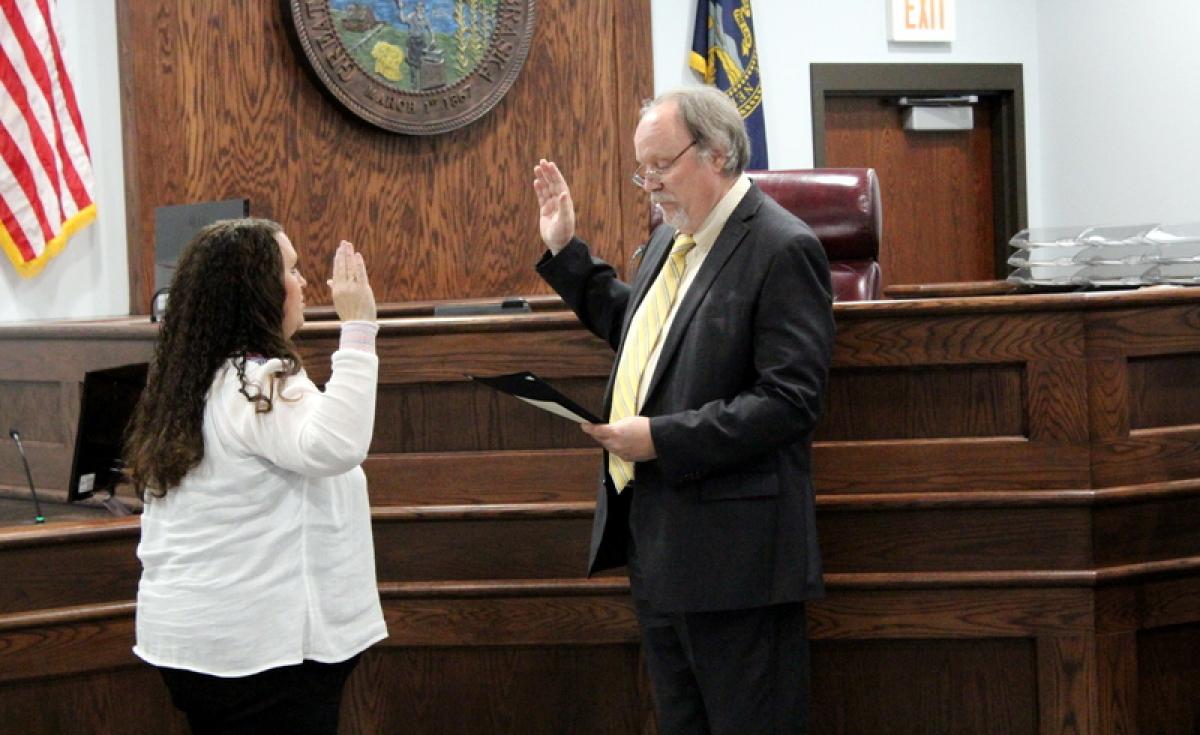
x: 37, y: 507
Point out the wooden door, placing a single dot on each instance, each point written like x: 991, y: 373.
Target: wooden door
x: 936, y: 188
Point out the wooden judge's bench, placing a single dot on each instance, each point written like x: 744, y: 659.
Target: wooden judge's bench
x: 1009, y: 509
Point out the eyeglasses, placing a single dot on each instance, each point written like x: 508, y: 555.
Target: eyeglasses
x: 645, y: 174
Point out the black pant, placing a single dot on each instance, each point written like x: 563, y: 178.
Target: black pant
x: 731, y: 672
x: 304, y: 699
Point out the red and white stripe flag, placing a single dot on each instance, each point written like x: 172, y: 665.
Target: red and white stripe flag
x: 46, y: 186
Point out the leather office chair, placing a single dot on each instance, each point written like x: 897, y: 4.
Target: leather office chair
x: 843, y: 207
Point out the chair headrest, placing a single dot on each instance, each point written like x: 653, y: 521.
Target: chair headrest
x: 841, y: 205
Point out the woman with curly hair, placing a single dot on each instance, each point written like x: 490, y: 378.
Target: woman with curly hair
x: 258, y: 587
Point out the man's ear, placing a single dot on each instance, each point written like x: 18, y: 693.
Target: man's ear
x: 717, y: 160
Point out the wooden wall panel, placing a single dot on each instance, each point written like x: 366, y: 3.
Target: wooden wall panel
x: 928, y: 402
x: 61, y: 570
x: 1169, y: 602
x: 1116, y: 667
x: 481, y: 547
x: 982, y: 687
x: 1162, y: 391
x: 968, y: 337
x: 458, y: 478
x: 435, y: 417
x: 1066, y: 681
x: 926, y: 538
x: 952, y: 465
x: 1148, y: 531
x: 870, y: 611
x: 1141, y: 432
x: 47, y: 433
x: 218, y: 104
x: 131, y: 700
x: 1168, y: 666
x: 984, y: 574
x: 449, y: 349
x: 958, y: 399
x: 563, y: 690
x: 1056, y: 403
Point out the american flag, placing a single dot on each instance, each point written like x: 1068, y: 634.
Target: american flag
x: 46, y: 185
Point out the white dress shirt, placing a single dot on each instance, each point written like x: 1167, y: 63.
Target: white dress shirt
x: 262, y: 556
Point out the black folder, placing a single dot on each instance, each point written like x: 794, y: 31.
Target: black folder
x: 537, y: 392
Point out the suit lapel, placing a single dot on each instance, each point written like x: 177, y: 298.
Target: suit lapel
x: 731, y: 236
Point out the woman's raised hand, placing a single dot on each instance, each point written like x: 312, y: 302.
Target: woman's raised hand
x: 352, y: 296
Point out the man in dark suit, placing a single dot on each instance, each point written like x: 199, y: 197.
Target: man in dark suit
x: 723, y: 342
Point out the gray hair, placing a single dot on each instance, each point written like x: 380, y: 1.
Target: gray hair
x: 713, y: 121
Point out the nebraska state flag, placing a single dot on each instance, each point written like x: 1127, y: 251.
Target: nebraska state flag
x: 725, y: 54
x: 46, y: 186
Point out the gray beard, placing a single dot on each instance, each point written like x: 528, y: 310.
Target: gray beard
x: 678, y: 220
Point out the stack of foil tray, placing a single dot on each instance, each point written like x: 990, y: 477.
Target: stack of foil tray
x: 1121, y: 256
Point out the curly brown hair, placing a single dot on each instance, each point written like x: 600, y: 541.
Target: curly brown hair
x: 226, y: 303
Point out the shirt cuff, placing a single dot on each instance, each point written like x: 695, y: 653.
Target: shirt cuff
x: 359, y: 335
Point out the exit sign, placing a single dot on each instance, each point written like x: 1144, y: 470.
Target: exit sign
x: 922, y: 21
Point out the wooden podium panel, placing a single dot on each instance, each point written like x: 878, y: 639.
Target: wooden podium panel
x: 1007, y: 494
x: 41, y: 374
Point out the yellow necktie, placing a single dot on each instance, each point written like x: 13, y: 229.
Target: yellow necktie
x: 644, y: 334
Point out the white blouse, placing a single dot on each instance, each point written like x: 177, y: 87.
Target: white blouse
x: 262, y: 556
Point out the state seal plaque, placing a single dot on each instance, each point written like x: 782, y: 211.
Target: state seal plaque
x: 420, y: 67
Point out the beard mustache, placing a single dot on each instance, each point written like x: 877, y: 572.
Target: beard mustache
x: 676, y: 218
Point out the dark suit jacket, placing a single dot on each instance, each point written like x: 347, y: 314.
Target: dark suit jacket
x: 723, y: 518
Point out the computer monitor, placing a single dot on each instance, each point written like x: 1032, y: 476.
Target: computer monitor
x: 106, y: 407
x: 175, y: 226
